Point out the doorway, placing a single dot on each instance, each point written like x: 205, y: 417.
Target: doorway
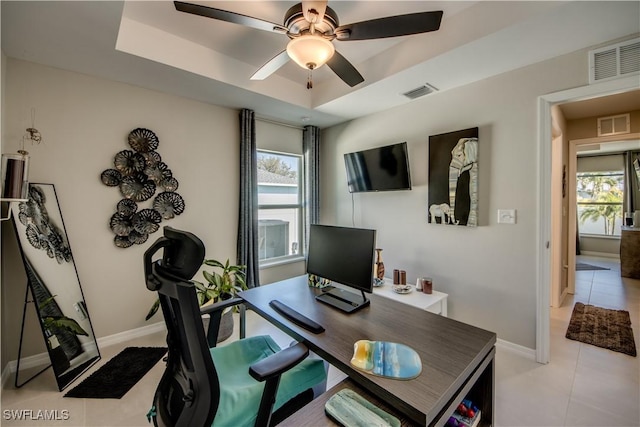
x: 545, y: 259
x: 617, y: 142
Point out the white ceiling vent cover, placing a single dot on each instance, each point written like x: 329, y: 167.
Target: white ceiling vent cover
x: 615, y: 61
x: 423, y: 90
x: 614, y: 125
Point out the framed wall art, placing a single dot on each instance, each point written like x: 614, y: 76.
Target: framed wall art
x: 453, y: 178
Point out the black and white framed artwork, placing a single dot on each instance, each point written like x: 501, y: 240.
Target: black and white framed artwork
x: 453, y: 178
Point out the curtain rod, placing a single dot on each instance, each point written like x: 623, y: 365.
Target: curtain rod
x: 265, y: 120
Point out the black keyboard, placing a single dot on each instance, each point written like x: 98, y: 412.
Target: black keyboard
x: 297, y: 318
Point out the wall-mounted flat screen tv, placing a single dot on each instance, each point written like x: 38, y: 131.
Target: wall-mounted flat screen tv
x: 378, y: 169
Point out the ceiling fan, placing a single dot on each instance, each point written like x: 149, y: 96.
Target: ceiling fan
x: 312, y: 26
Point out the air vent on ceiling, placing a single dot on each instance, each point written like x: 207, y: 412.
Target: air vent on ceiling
x: 615, y: 61
x: 614, y: 125
x: 423, y: 90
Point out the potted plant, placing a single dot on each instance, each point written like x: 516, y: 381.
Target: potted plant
x: 224, y: 281
x: 220, y: 285
x: 52, y: 325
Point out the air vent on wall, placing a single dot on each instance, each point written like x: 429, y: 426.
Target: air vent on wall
x: 614, y: 125
x: 423, y: 90
x: 615, y: 61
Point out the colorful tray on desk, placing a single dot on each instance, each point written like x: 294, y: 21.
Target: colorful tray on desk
x: 386, y: 359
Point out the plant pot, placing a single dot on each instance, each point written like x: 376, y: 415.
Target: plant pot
x: 226, y: 325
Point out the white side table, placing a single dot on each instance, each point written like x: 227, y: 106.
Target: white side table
x: 435, y: 302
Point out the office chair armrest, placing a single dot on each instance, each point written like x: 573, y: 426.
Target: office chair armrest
x: 279, y: 363
x: 220, y: 305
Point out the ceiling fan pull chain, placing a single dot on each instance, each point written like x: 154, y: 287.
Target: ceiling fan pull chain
x: 310, y: 80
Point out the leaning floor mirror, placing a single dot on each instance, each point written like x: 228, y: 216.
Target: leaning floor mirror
x: 54, y: 285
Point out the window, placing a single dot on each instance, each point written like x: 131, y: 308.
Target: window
x: 280, y: 207
x: 600, y: 196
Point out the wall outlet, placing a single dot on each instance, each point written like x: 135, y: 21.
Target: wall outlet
x: 506, y: 216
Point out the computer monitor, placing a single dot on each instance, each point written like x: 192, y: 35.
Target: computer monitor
x: 344, y: 256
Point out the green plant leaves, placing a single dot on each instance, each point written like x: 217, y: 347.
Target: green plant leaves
x: 153, y: 310
x: 219, y: 285
x: 64, y: 322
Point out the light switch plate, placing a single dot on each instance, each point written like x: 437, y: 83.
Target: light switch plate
x: 506, y: 216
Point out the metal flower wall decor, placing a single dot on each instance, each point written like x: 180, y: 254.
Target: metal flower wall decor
x: 42, y: 233
x: 139, y: 174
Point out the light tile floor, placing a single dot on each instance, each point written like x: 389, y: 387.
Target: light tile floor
x: 583, y: 385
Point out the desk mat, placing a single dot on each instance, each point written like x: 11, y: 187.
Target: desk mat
x: 350, y: 409
x: 386, y: 359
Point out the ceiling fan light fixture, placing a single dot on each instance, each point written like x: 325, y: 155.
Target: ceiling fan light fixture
x: 310, y: 51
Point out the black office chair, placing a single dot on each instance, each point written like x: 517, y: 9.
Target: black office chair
x: 238, y: 384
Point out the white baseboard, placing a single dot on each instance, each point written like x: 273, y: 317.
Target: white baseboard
x: 600, y: 254
x: 42, y: 359
x: 526, y: 352
x: 132, y: 334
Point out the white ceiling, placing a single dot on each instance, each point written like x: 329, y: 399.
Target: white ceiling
x: 150, y: 44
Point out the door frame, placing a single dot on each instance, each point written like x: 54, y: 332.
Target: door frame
x: 544, y: 138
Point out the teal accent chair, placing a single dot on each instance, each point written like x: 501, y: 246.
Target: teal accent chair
x: 249, y: 382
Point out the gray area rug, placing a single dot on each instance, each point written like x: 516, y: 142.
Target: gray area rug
x: 584, y: 266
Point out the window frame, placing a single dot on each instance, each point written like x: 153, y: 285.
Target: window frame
x: 300, y: 206
x: 608, y: 173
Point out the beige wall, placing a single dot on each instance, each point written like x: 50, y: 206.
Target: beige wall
x: 588, y: 127
x: 84, y: 122
x: 490, y: 271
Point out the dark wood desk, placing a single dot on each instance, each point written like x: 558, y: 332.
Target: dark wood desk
x: 457, y: 359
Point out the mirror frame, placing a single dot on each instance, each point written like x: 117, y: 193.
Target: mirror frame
x: 71, y: 354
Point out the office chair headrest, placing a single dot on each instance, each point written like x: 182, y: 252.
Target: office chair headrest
x: 183, y: 256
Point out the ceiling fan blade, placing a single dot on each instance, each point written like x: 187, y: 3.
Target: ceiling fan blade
x: 391, y: 26
x: 345, y: 70
x: 224, y: 15
x: 271, y: 66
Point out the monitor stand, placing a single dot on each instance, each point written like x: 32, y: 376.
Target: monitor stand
x: 343, y: 300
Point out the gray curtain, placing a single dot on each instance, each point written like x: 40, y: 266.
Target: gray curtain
x: 311, y: 150
x: 629, y: 203
x: 248, y: 213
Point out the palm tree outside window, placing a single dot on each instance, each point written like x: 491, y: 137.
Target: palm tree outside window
x: 600, y: 198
